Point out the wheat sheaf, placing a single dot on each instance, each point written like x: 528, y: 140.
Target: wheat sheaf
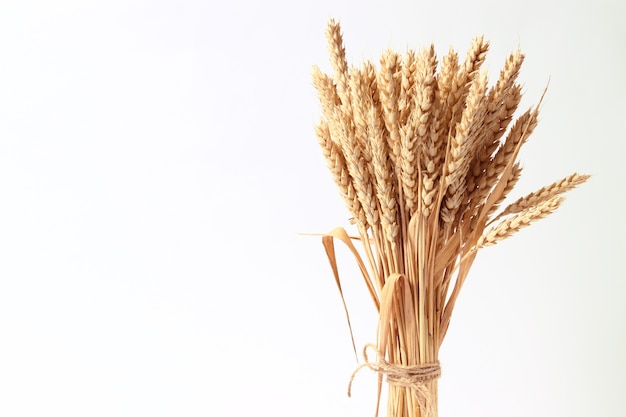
x: 423, y: 154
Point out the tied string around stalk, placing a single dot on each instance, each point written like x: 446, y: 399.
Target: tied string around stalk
x: 414, y: 377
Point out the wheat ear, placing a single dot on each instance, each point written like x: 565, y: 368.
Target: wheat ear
x: 389, y: 91
x: 414, y: 133
x: 515, y: 223
x: 545, y: 193
x: 463, y: 142
x: 340, y: 65
x: 337, y: 166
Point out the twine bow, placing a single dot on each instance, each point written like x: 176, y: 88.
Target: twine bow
x: 414, y: 377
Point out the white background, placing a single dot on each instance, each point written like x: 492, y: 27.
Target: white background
x: 158, y: 164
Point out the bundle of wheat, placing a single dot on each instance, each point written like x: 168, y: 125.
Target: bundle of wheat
x: 423, y: 158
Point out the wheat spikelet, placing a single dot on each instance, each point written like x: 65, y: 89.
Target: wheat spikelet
x: 508, y: 77
x: 425, y: 108
x: 414, y: 133
x: 359, y: 172
x: 343, y: 132
x: 513, y: 224
x: 455, y: 108
x: 329, y: 133
x: 425, y: 92
x: 503, y: 100
x: 520, y: 132
x: 354, y: 149
x: 502, y: 103
x: 506, y: 81
x: 340, y: 65
x: 474, y: 59
x: 360, y: 93
x: 433, y: 149
x: 466, y: 136
x: 328, y: 97
x: 463, y: 142
x: 405, y: 165
x: 559, y: 187
x: 494, y: 128
x: 343, y: 129
x: 447, y: 72
x: 365, y: 96
x: 511, y: 181
x: 408, y: 172
x: 502, y: 118
x: 445, y: 84
x: 389, y: 91
x: 337, y: 166
x: 463, y: 80
x: 406, y: 102
x: 479, y: 182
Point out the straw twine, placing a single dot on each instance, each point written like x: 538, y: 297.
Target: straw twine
x: 414, y: 377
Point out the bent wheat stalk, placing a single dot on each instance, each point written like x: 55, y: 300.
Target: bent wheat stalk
x: 423, y: 160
